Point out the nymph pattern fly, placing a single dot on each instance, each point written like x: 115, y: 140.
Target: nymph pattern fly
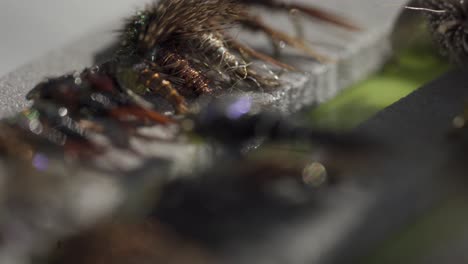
x: 181, y: 43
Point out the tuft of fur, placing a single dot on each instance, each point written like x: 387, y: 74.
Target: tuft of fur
x: 172, y: 20
x: 448, y: 23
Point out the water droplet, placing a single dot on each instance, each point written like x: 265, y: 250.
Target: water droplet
x: 35, y: 126
x: 282, y: 44
x: 314, y: 174
x: 78, y: 81
x: 63, y: 111
x: 294, y: 12
x: 459, y: 122
x: 95, y: 69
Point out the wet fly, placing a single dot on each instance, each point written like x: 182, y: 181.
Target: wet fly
x: 179, y: 44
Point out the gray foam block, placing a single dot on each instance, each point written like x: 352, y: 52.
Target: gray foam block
x: 356, y: 55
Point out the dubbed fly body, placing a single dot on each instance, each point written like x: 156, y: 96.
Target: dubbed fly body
x: 177, y: 64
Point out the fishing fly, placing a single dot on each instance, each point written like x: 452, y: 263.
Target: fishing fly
x: 447, y: 22
x: 178, y: 44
